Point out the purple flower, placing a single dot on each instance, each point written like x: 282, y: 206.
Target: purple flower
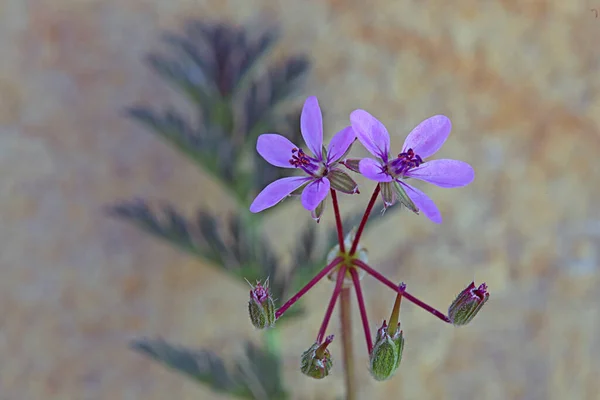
x: 321, y: 172
x: 422, y: 142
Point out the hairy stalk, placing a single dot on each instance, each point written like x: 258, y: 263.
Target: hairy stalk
x: 403, y: 292
x: 271, y: 338
x: 347, y: 350
x: 363, y: 222
x: 362, y: 308
x: 308, y: 286
x: 338, y: 221
x: 336, y: 293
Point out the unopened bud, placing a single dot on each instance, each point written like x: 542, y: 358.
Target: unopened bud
x: 316, y: 361
x: 467, y: 304
x: 387, y: 352
x: 261, y: 306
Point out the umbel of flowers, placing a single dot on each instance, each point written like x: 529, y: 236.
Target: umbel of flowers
x: 324, y: 174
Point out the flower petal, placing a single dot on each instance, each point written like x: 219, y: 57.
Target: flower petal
x: 311, y: 126
x: 429, y: 136
x: 444, y: 173
x: 423, y: 203
x: 314, y: 193
x: 275, y: 149
x: 277, y: 191
x: 371, y: 133
x: 373, y: 170
x: 340, y: 143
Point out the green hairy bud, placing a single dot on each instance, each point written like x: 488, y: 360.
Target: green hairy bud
x: 387, y: 353
x: 316, y: 361
x: 261, y: 306
x: 467, y: 304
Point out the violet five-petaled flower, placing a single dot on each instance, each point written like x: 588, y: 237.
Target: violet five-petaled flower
x: 422, y: 142
x: 280, y: 152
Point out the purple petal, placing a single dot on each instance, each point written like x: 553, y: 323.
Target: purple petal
x: 371, y: 133
x: 277, y: 191
x: 444, y: 173
x: 275, y: 149
x: 311, y: 126
x: 339, y: 144
x: 429, y: 136
x: 423, y: 203
x: 314, y: 193
x: 373, y: 170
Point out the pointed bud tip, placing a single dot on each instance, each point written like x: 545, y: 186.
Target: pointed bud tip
x: 316, y: 361
x: 467, y: 304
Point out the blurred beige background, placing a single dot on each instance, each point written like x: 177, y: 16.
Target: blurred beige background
x: 520, y: 81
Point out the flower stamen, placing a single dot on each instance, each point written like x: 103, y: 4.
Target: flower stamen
x: 299, y: 158
x: 406, y: 161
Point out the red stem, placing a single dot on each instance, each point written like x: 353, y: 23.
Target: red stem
x: 308, y: 286
x: 363, y: 222
x: 338, y: 221
x: 397, y: 289
x: 362, y: 308
x: 330, y: 307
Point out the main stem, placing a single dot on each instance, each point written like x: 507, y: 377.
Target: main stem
x: 347, y: 350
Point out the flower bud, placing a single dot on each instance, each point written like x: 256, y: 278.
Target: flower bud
x: 467, y: 304
x: 316, y: 361
x: 387, y: 352
x: 261, y: 306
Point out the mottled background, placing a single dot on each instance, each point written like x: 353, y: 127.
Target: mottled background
x: 519, y: 80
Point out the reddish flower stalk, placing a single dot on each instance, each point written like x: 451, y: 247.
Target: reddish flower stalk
x: 331, y: 306
x: 375, y: 274
x: 338, y: 221
x: 363, y: 222
x: 308, y: 286
x: 362, y: 308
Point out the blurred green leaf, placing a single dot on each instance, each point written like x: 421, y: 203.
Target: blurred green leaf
x: 202, y: 365
x: 255, y: 376
x: 261, y: 374
x: 264, y: 95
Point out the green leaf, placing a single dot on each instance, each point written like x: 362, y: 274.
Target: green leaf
x: 260, y: 372
x: 226, y: 53
x: 265, y: 94
x: 255, y: 376
x: 169, y: 226
x: 201, y: 365
x: 186, y: 77
x: 209, y: 147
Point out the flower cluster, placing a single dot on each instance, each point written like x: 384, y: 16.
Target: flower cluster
x: 323, y: 173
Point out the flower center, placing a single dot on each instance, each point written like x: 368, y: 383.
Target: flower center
x: 405, y: 162
x: 307, y: 164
